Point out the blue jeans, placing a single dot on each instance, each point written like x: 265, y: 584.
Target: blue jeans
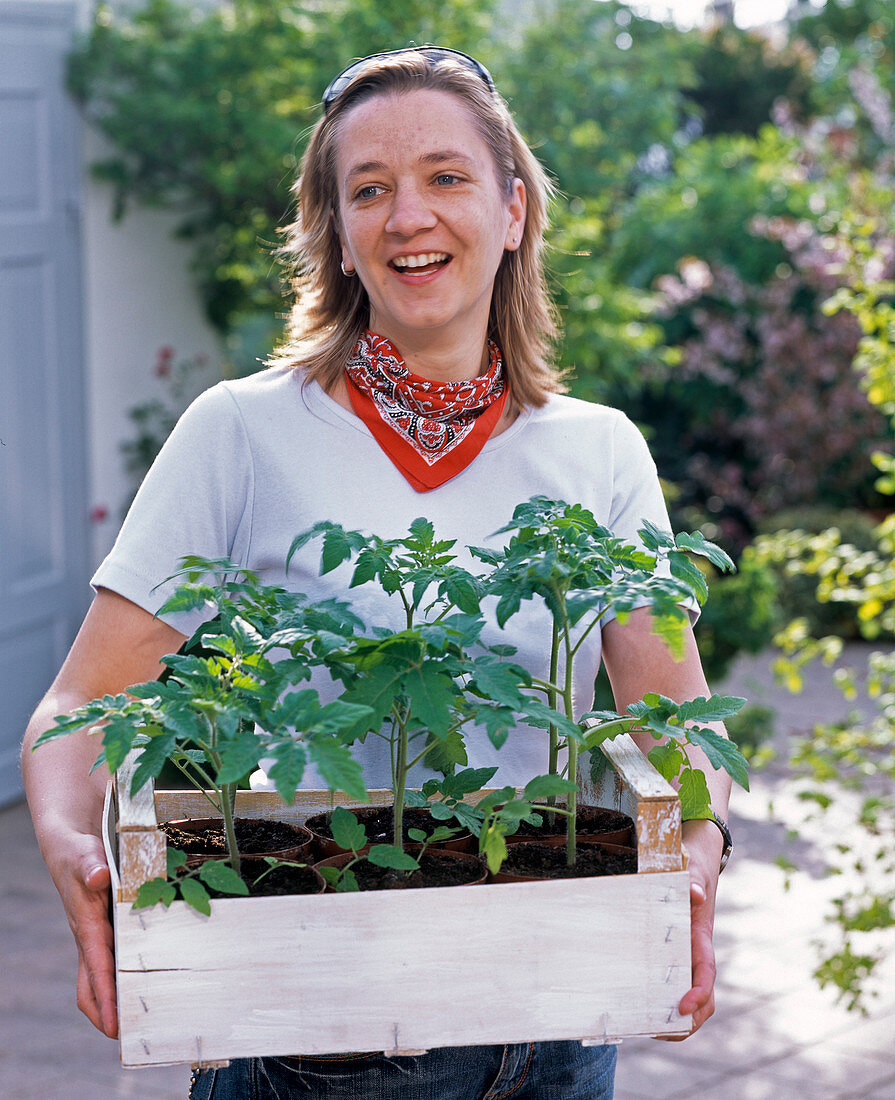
x: 522, y: 1071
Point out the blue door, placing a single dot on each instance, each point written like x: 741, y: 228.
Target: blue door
x: 44, y: 558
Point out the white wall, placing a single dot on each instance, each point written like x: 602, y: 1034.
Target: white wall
x: 139, y: 296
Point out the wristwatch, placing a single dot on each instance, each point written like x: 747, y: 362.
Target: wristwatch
x: 728, y: 839
x: 725, y: 833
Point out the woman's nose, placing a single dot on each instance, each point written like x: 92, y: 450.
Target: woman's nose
x: 409, y: 212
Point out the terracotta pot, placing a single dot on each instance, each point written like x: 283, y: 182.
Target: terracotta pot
x: 325, y: 845
x: 512, y: 876
x: 440, y: 853
x: 621, y: 830
x: 300, y: 852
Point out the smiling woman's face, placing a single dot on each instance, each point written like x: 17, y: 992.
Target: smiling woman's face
x: 423, y: 219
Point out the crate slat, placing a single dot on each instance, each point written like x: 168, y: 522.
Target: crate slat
x: 386, y: 971
x: 590, y: 959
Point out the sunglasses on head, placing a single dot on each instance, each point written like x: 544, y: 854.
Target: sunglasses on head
x: 435, y: 53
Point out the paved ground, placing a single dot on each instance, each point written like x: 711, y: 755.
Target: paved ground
x: 774, y: 1036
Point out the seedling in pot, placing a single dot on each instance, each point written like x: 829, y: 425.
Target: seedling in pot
x: 219, y: 711
x: 420, y: 685
x: 559, y: 553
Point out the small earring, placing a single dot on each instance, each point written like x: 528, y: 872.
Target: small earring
x: 348, y: 274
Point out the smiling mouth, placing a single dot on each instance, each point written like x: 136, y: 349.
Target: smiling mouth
x: 423, y: 264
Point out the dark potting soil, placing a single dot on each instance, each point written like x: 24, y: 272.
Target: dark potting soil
x: 380, y: 823
x: 590, y: 820
x: 280, y: 881
x: 540, y: 861
x: 251, y: 836
x: 434, y: 871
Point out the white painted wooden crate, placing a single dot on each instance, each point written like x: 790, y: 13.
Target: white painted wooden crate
x: 401, y: 971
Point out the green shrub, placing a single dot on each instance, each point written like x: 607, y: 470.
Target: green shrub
x: 795, y: 547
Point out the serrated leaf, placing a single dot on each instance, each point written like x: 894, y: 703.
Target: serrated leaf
x: 289, y: 768
x: 548, y: 786
x: 239, y: 757
x: 694, y: 795
x: 195, y: 895
x: 722, y: 753
x: 717, y: 708
x: 444, y: 754
x: 462, y: 590
x: 347, y: 831
x: 221, y: 876
x: 387, y: 855
x: 154, y: 891
x: 667, y: 759
x: 174, y: 859
x: 431, y: 698
x: 493, y: 845
x: 339, y: 769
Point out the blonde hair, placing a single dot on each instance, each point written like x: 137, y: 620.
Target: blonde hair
x: 331, y: 310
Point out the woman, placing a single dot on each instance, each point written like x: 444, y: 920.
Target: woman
x: 415, y: 382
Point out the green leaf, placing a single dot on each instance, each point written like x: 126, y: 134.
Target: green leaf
x: 717, y: 708
x: 499, y: 681
x: 697, y: 543
x: 340, y: 771
x: 461, y: 589
x: 667, y: 759
x: 432, y: 698
x: 154, y: 891
x: 387, y: 855
x: 722, y: 753
x: 443, y: 755
x: 336, y: 549
x: 119, y: 734
x: 152, y: 759
x: 239, y: 757
x: 289, y: 768
x: 548, y: 786
x: 694, y: 795
x: 347, y: 831
x: 174, y: 860
x: 220, y: 876
x: 195, y: 894
x: 493, y: 845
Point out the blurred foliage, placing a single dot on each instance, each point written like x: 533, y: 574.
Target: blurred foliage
x: 739, y: 76
x: 207, y: 110
x: 742, y: 615
x: 797, y: 545
x: 858, y: 756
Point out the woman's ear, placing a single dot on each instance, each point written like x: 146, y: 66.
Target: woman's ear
x: 516, y: 208
x: 347, y: 262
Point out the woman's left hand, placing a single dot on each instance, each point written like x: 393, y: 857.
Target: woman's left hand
x: 704, y: 844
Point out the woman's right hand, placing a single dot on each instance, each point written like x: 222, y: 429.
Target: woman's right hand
x: 81, y: 874
x: 119, y: 644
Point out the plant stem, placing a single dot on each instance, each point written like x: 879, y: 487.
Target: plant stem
x: 572, y: 772
x: 401, y: 767
x: 228, y: 804
x: 552, y: 733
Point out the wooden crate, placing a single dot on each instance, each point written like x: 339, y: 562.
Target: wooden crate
x: 402, y: 972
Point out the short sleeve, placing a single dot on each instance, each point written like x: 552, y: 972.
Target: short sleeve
x: 196, y: 499
x: 637, y: 492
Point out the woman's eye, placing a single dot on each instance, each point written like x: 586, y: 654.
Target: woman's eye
x: 447, y: 178
x: 368, y: 192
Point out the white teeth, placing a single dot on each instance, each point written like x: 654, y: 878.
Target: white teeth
x: 420, y: 261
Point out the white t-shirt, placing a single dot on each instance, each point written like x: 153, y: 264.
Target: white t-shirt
x: 254, y: 462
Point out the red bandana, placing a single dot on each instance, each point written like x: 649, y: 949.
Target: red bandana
x: 430, y: 430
